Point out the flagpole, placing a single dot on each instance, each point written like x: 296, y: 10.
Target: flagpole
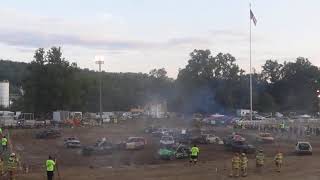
x: 250, y: 70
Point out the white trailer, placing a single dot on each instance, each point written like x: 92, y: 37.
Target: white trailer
x: 60, y: 116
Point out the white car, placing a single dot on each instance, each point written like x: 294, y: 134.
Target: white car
x: 303, y: 148
x: 167, y: 140
x: 212, y: 139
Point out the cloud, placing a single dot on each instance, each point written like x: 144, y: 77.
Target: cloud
x: 228, y: 33
x: 34, y: 39
x: 32, y: 31
x: 236, y: 35
x: 187, y: 41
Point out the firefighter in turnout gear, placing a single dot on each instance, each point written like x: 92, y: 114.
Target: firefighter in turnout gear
x: 244, y: 164
x: 278, y: 159
x: 260, y: 160
x: 12, y: 166
x: 235, y: 165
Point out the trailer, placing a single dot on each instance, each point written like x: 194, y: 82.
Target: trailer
x: 8, y: 122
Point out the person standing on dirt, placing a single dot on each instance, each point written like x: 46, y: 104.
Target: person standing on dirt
x: 4, y: 143
x: 278, y: 159
x: 244, y: 164
x: 194, y: 154
x: 260, y: 160
x: 12, y: 165
x: 50, y: 164
x: 235, y: 162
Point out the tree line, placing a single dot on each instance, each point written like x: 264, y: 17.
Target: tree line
x: 207, y: 84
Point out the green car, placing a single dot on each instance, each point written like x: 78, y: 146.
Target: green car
x: 170, y: 153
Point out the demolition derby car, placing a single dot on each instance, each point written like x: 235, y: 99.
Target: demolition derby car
x: 48, y: 133
x: 166, y: 141
x: 265, y: 138
x: 72, y: 142
x: 303, y: 148
x: 206, y: 139
x: 134, y: 143
x: 174, y: 152
x: 237, y: 143
x: 100, y: 147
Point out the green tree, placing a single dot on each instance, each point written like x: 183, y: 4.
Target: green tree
x: 271, y: 71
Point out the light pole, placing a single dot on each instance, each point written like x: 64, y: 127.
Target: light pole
x: 318, y: 95
x: 99, y: 61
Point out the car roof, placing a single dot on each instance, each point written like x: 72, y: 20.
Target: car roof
x: 305, y: 142
x: 135, y: 137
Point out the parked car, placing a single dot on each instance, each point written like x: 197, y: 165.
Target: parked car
x: 303, y: 148
x: 133, y: 143
x: 167, y: 141
x: 265, y: 138
x: 72, y: 142
x: 48, y: 133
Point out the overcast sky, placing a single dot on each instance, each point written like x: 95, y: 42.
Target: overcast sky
x: 138, y: 35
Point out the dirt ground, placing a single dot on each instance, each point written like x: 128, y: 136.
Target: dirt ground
x: 214, y: 161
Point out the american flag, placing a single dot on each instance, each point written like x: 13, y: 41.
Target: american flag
x: 253, y: 18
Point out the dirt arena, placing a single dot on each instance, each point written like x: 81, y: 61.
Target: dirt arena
x: 214, y: 161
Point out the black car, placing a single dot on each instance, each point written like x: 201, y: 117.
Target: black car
x: 100, y: 148
x: 241, y: 147
x: 50, y: 133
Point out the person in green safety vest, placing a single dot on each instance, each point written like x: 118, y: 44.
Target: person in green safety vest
x: 194, y: 154
x: 4, y: 143
x: 50, y: 164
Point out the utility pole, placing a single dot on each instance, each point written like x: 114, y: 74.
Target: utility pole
x: 99, y: 61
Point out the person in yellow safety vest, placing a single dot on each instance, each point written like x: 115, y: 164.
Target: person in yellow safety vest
x: 50, y: 164
x: 194, y: 154
x: 244, y: 164
x: 235, y: 161
x: 260, y: 160
x: 278, y: 159
x: 4, y: 143
x: 12, y: 165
